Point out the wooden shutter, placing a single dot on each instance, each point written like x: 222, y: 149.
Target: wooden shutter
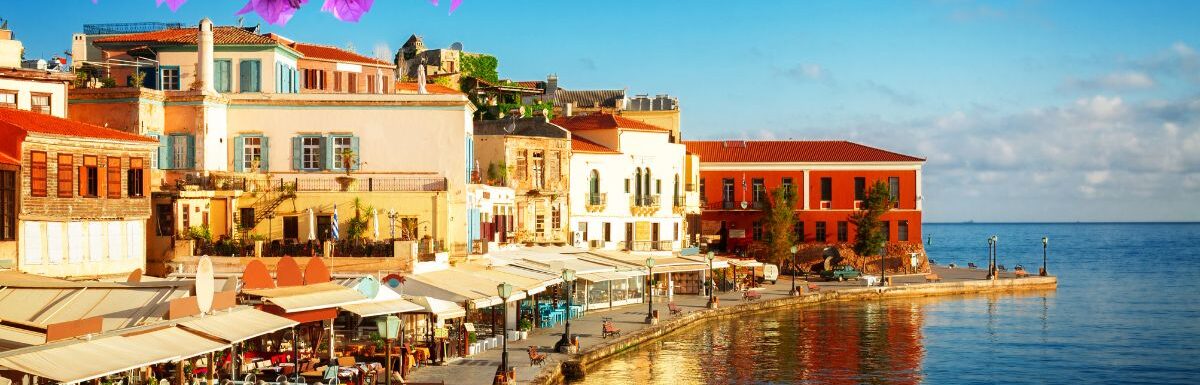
x: 354, y: 147
x: 66, y: 177
x: 264, y: 164
x: 165, y: 160
x: 191, y: 152
x: 38, y: 185
x: 297, y: 153
x: 239, y: 152
x: 113, y: 171
x: 101, y: 179
x: 327, y: 152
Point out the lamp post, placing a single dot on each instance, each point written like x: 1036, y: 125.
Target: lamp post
x: 882, y: 262
x: 392, y: 215
x: 388, y: 328
x: 794, y: 292
x: 712, y: 281
x: 1045, y: 244
x: 504, y: 290
x: 994, y: 241
x: 649, y: 292
x: 564, y: 344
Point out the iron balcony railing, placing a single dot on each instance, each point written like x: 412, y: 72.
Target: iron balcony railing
x: 596, y: 199
x: 648, y: 245
x: 371, y: 184
x: 679, y: 201
x: 644, y: 200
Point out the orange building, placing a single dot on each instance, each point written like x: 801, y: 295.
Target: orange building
x: 832, y: 177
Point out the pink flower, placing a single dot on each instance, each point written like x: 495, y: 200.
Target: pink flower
x: 273, y: 11
x: 453, y: 4
x: 347, y: 10
x: 173, y: 4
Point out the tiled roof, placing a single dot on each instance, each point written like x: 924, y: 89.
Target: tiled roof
x: 589, y: 98
x: 221, y: 36
x: 792, y: 151
x: 579, y: 144
x: 28, y: 121
x: 603, y: 121
x: 438, y: 89
x: 318, y: 51
x: 9, y: 159
x: 536, y: 126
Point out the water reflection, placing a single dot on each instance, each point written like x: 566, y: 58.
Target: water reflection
x: 843, y: 343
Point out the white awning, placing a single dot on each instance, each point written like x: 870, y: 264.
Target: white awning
x: 238, y: 325
x: 374, y: 308
x: 442, y: 309
x: 308, y: 297
x: 745, y: 263
x: 75, y: 360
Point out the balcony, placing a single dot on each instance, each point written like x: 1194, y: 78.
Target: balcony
x: 212, y: 182
x: 643, y: 204
x: 595, y: 202
x: 371, y: 184
x: 648, y: 245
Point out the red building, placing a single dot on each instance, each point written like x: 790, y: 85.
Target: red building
x: 832, y: 177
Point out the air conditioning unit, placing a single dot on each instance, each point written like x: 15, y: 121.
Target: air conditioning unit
x: 825, y: 205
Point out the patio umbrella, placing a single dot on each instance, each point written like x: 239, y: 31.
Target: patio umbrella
x: 375, y: 222
x: 312, y: 225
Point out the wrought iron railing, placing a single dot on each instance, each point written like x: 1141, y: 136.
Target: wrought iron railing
x: 644, y: 200
x: 596, y: 199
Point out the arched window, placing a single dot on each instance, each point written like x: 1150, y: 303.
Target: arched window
x: 594, y: 182
x: 676, y: 190
x: 647, y: 184
x: 637, y: 187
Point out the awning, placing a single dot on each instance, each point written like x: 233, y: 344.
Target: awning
x: 462, y: 285
x: 745, y: 263
x: 604, y: 276
x: 16, y: 338
x: 442, y: 309
x: 308, y: 297
x: 371, y: 309
x: 75, y: 360
x: 238, y: 325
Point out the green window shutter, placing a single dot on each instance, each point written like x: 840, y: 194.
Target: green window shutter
x: 256, y: 76
x: 164, y: 153
x: 354, y: 147
x: 250, y: 76
x: 278, y: 77
x: 191, y: 152
x: 244, y: 76
x: 221, y: 71
x: 297, y: 153
x: 239, y: 151
x: 264, y: 163
x: 327, y: 152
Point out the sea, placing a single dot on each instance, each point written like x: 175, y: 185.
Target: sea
x: 1126, y: 311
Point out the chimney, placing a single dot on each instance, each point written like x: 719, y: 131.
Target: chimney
x: 421, y: 80
x: 551, y: 85
x: 204, y: 57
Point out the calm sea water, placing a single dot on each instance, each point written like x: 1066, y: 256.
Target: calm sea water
x: 1127, y: 310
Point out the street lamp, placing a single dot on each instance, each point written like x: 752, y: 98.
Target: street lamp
x: 794, y: 292
x: 649, y: 292
x: 564, y: 344
x: 388, y: 328
x: 393, y: 215
x: 994, y: 242
x: 504, y: 290
x: 1045, y: 244
x: 882, y: 263
x: 712, y: 281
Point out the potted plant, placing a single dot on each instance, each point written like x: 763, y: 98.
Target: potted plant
x: 525, y: 326
x: 349, y: 159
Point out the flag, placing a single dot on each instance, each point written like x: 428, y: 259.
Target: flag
x: 334, y: 224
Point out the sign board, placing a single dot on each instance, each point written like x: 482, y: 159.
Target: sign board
x: 737, y: 233
x: 470, y: 327
x: 441, y: 333
x: 641, y: 231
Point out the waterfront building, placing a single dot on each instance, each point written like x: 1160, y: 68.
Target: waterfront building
x: 532, y: 157
x: 252, y: 148
x: 627, y: 189
x: 831, y: 177
x: 491, y: 213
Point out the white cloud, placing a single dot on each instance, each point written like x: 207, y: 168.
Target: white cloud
x: 1125, y: 80
x: 1097, y: 177
x: 1182, y: 49
x: 806, y: 72
x: 1101, y: 106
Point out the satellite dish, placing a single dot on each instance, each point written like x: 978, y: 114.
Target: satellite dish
x: 457, y: 46
x: 204, y: 285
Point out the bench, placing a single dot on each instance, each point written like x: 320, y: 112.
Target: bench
x: 932, y: 277
x: 1021, y: 273
x: 675, y: 310
x: 813, y: 287
x: 609, y: 330
x: 536, y: 358
x: 750, y: 295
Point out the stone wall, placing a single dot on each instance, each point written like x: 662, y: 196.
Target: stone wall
x: 811, y: 257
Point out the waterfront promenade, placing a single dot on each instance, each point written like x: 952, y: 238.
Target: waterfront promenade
x: 480, y: 368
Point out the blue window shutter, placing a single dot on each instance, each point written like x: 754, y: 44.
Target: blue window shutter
x: 239, y: 152
x: 264, y: 163
x: 278, y: 77
x: 244, y: 76
x: 297, y: 153
x: 221, y: 75
x: 327, y: 152
x: 354, y: 147
x: 191, y: 152
x: 256, y: 76
x: 164, y: 152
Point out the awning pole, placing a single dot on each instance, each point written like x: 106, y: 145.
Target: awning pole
x: 332, y: 355
x: 233, y: 361
x: 296, y: 354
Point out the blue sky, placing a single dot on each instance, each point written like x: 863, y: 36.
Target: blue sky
x: 1026, y: 110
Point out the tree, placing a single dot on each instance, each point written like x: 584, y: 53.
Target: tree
x: 870, y: 238
x: 779, y: 224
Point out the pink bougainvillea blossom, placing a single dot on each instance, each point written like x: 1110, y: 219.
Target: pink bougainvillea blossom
x: 453, y: 4
x: 273, y: 11
x: 173, y: 4
x: 347, y: 10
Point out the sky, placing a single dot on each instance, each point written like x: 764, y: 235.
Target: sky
x: 1025, y: 110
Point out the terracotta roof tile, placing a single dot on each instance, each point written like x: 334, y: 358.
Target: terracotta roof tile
x: 8, y: 159
x: 579, y: 144
x: 792, y: 151
x: 602, y: 121
x: 28, y: 121
x: 318, y: 51
x: 438, y: 89
x: 221, y: 36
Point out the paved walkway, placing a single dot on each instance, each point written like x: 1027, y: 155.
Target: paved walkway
x: 480, y: 368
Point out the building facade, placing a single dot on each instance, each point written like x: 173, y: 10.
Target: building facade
x: 535, y: 156
x: 832, y: 178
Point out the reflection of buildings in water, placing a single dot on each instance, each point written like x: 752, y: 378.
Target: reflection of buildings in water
x: 842, y: 344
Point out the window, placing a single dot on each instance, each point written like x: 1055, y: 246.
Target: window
x: 800, y: 232
x: 787, y: 188
x: 314, y: 79
x: 370, y: 84
x: 820, y: 236
x: 902, y: 231
x: 180, y: 151
x: 8, y: 99
x: 246, y: 218
x: 337, y: 81
x: 39, y: 103
x: 658, y: 186
x: 341, y: 144
x: 627, y: 185
x: 843, y: 233
x: 607, y: 232
x: 522, y: 164
x: 539, y: 224
x: 222, y: 75
x: 135, y: 185
x: 8, y: 205
x: 894, y: 189
x: 352, y: 83
x: 66, y: 175
x: 538, y: 171
x: 860, y: 187
x: 165, y: 220
x: 555, y: 219
x: 311, y: 152
x: 756, y: 230
x: 826, y: 189
x: 759, y: 190
x: 37, y: 173
x: 89, y: 178
x: 887, y: 231
x: 291, y: 227
x: 249, y: 76
x: 252, y: 152
x: 186, y: 217
x: 169, y: 77
x: 676, y: 233
x: 583, y: 228
x: 727, y: 190
x: 113, y: 177
x: 386, y: 88
x: 703, y: 200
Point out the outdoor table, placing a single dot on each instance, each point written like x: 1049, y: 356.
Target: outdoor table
x: 871, y: 280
